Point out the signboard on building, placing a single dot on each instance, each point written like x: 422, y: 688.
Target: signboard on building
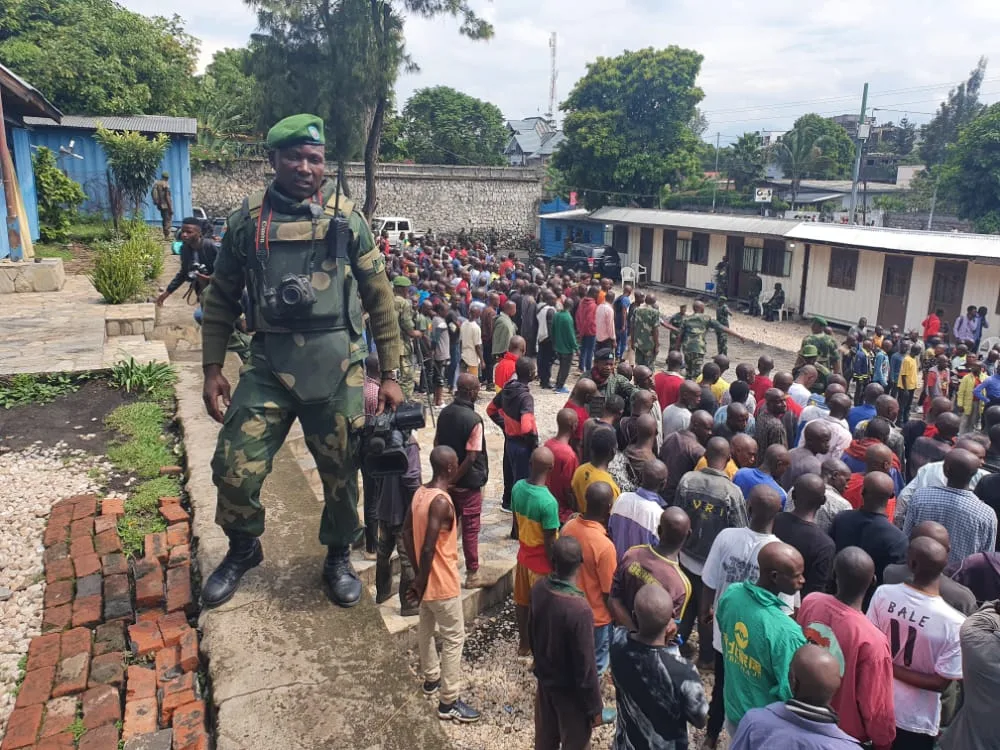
x: 763, y: 195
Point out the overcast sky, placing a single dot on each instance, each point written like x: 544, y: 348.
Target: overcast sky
x: 766, y: 62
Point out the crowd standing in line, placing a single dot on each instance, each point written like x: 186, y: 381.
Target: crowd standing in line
x: 827, y: 536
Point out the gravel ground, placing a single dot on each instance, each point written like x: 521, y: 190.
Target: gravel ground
x: 31, y: 480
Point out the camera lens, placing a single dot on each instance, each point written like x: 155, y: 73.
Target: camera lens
x: 290, y: 295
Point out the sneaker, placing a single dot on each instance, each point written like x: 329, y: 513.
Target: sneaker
x: 431, y: 686
x: 563, y: 389
x: 458, y: 711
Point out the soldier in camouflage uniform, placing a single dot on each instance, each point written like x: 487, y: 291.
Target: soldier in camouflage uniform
x: 646, y: 332
x: 609, y: 383
x: 308, y: 261
x: 826, y: 346
x: 693, y: 331
x: 722, y: 314
x: 407, y: 333
x: 676, y: 320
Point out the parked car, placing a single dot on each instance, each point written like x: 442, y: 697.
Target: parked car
x: 393, y: 225
x: 599, y: 260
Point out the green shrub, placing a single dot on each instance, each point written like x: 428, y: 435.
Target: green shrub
x: 58, y: 197
x: 154, y: 378
x: 119, y: 272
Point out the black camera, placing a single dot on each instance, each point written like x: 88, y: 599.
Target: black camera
x: 383, y: 440
x: 197, y: 268
x: 292, y: 298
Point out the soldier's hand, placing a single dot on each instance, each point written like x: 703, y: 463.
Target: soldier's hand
x: 390, y: 395
x: 216, y: 387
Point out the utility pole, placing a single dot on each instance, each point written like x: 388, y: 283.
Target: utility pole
x: 553, y: 75
x: 715, y: 182
x: 10, y: 196
x: 862, y: 131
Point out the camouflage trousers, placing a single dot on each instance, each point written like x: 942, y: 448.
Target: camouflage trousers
x: 722, y: 340
x: 644, y: 358
x: 255, y: 427
x: 406, y: 383
x: 694, y: 361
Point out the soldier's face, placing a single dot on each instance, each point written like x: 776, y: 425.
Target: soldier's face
x: 298, y: 170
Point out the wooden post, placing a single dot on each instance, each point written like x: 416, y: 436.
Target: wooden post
x: 9, y: 192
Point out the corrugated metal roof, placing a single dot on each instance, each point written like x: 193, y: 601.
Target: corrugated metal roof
x: 30, y: 99
x: 694, y: 221
x: 840, y: 186
x: 899, y: 240
x: 141, y: 123
x: 573, y: 213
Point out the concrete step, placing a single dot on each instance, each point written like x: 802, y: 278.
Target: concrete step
x: 135, y: 347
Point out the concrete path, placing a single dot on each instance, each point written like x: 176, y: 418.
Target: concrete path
x: 289, y: 669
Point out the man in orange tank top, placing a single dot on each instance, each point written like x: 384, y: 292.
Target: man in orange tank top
x: 430, y: 533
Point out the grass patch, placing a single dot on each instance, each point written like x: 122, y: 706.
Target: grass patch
x: 35, y: 389
x: 77, y: 728
x: 147, y: 447
x: 45, y: 250
x: 154, y: 379
x: 22, y: 671
x: 142, y: 514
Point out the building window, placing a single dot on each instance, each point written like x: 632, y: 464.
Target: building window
x: 558, y: 234
x: 843, y: 268
x: 776, y: 262
x: 752, y: 258
x: 699, y: 253
x: 586, y: 235
x: 683, y: 250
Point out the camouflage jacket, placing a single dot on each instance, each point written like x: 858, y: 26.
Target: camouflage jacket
x: 644, y: 328
x: 693, y: 331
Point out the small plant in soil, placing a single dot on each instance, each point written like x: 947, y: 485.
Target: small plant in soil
x: 142, y: 515
x: 22, y: 671
x: 35, y: 389
x: 147, y: 447
x: 77, y: 728
x: 154, y: 378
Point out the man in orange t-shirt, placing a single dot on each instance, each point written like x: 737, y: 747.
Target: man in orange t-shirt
x: 599, y: 563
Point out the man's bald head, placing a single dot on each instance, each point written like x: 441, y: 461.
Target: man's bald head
x: 517, y: 345
x: 642, y: 375
x: 674, y: 527
x: 948, y: 425
x: 599, y: 498
x: 836, y: 473
x: 839, y: 404
x: 744, y: 450
x: 876, y: 490
x: 854, y: 570
x: 567, y: 557
x: 583, y: 391
x: 926, y: 559
x: 783, y: 381
x: 654, y: 611
x: 781, y: 568
x: 959, y: 467
x: 939, y: 405
x: 701, y: 425
x: 888, y: 407
x: 878, y: 457
x: 542, y: 461
x: 567, y: 420
x: 717, y: 453
x: 932, y: 530
x: 775, y: 460
x: 737, y: 416
x: 654, y: 475
x: 690, y: 394
x: 763, y: 505
x: 817, y: 436
x: 814, y: 675
x: 810, y: 493
x: 642, y: 402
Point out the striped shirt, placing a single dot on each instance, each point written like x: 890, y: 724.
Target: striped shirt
x: 971, y: 523
x: 635, y: 519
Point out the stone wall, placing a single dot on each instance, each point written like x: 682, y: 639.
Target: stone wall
x: 438, y: 197
x: 918, y: 221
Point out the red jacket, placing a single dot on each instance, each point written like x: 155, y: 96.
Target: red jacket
x: 504, y: 370
x: 586, y: 317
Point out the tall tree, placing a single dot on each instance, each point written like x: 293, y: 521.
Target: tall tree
x: 628, y: 126
x: 393, y: 144
x: 228, y: 96
x: 954, y: 113
x: 903, y: 138
x: 973, y: 171
x: 747, y: 161
x: 445, y: 126
x: 836, y: 148
x: 94, y: 57
x: 340, y: 59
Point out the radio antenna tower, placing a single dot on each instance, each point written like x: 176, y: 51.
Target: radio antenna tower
x: 553, y: 75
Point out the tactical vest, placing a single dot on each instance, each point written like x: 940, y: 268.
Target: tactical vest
x: 295, y: 245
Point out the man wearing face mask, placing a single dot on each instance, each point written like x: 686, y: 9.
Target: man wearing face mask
x: 309, y: 264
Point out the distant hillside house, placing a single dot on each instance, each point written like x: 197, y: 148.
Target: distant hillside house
x: 532, y: 142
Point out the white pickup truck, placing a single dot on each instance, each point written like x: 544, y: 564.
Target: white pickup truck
x: 393, y: 225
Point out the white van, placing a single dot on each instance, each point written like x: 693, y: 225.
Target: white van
x: 393, y: 225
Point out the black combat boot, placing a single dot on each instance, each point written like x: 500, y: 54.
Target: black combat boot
x: 342, y: 584
x: 244, y: 554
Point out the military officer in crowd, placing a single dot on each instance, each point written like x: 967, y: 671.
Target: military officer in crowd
x: 692, y: 337
x: 755, y: 287
x: 309, y: 263
x: 407, y: 331
x: 675, y: 326
x: 723, y: 315
x: 775, y: 303
x: 646, y: 332
x: 827, y: 349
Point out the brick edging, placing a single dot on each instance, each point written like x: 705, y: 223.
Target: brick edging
x: 128, y: 666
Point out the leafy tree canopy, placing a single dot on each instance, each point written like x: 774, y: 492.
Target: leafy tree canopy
x: 628, y: 126
x: 836, y: 149
x: 746, y: 161
x: 958, y: 110
x: 973, y: 171
x: 95, y: 57
x: 228, y: 96
x: 134, y: 161
x: 445, y: 126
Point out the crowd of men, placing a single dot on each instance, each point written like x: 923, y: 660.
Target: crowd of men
x: 823, y: 540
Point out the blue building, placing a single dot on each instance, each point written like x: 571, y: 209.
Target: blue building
x: 558, y: 221
x: 79, y: 155
x: 21, y: 101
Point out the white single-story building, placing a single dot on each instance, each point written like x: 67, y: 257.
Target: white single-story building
x: 842, y: 272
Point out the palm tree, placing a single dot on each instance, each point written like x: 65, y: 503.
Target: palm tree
x: 746, y: 161
x: 799, y: 152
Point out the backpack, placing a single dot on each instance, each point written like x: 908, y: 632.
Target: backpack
x: 862, y: 365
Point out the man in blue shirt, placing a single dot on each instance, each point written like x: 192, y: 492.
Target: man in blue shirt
x: 866, y: 410
x: 989, y: 390
x: 773, y: 464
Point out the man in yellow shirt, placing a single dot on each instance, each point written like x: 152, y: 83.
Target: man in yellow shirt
x: 968, y: 405
x: 907, y: 383
x: 603, y: 446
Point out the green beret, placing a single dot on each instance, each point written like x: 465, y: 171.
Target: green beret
x: 820, y: 321
x: 296, y: 130
x: 723, y: 298
x: 809, y: 351
x: 401, y: 281
x: 165, y: 175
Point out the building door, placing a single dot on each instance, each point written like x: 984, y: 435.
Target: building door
x: 750, y: 259
x: 947, y: 290
x: 619, y: 241
x: 646, y: 249
x: 895, y: 290
x: 675, y: 268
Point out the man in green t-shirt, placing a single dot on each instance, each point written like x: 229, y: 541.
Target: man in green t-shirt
x: 759, y: 635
